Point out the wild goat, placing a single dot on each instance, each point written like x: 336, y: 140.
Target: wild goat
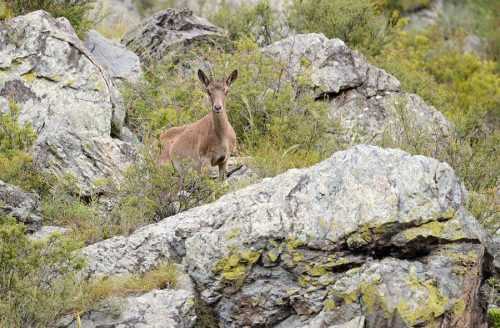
x: 211, y: 140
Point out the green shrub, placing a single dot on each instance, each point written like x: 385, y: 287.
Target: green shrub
x: 38, y: 280
x: 14, y: 137
x: 258, y: 21
x: 359, y: 23
x: 162, y: 277
x: 151, y: 192
x: 494, y: 317
x: 407, y: 5
x: 76, y: 11
x: 16, y: 140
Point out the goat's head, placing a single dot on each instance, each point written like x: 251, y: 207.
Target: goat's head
x: 217, y: 90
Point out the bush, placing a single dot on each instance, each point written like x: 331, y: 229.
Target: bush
x: 16, y: 140
x: 407, y: 5
x: 256, y: 21
x: 359, y: 23
x: 273, y: 118
x: 151, y: 192
x: 76, y: 11
x: 38, y: 283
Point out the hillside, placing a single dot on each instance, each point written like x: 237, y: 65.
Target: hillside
x: 363, y: 190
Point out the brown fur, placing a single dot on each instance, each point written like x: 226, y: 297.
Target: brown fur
x: 208, y: 141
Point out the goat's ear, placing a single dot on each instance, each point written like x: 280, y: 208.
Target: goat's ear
x: 232, y: 77
x: 203, y: 78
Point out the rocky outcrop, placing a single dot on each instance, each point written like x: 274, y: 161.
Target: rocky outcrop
x: 121, y: 63
x: 368, y: 238
x: 156, y: 309
x: 169, y: 31
x: 367, y: 101
x: 66, y: 95
x: 23, y: 206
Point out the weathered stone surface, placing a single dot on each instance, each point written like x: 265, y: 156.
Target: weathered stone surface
x: 369, y: 235
x: 156, y: 309
x: 121, y: 63
x: 169, y: 30
x: 23, y: 206
x: 69, y: 99
x: 367, y: 101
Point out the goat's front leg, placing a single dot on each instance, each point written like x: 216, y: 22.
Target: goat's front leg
x: 222, y: 170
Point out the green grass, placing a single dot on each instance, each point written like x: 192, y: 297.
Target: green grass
x: 76, y: 11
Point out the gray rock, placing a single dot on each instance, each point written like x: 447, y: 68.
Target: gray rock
x: 367, y: 101
x: 238, y: 171
x: 156, y: 309
x: 21, y: 205
x: 368, y: 234
x: 170, y: 30
x: 121, y: 63
x: 423, y: 17
x: 473, y: 44
x: 69, y: 99
x: 47, y: 231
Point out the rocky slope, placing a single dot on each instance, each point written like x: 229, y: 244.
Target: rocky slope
x: 370, y: 237
x: 69, y: 99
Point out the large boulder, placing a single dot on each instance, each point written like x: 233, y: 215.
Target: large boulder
x: 367, y: 101
x: 21, y: 205
x: 155, y: 309
x: 370, y: 237
x: 170, y: 31
x: 66, y: 95
x: 121, y: 63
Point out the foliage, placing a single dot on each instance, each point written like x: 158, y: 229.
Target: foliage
x: 151, y: 192
x: 494, y: 317
x: 360, y: 23
x: 474, y: 17
x: 258, y: 21
x: 76, y: 11
x: 37, y: 278
x: 16, y: 165
x: 14, y: 137
x: 407, y: 5
x: 162, y: 277
x: 262, y: 106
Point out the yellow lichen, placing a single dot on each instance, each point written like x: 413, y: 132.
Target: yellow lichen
x: 433, y: 305
x: 236, y: 265
x: 317, y: 270
x: 329, y: 305
x: 29, y: 77
x: 433, y: 228
x: 272, y: 256
x: 294, y: 243
x: 233, y: 233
